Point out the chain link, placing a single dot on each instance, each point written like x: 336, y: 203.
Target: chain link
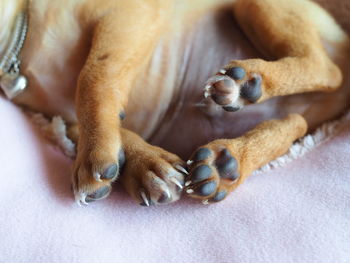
x: 10, y: 62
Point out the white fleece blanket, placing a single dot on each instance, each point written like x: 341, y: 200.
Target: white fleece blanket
x: 297, y: 213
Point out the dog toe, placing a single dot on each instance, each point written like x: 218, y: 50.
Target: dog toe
x: 99, y: 194
x: 251, y: 90
x: 153, y: 176
x: 236, y: 73
x: 92, y: 182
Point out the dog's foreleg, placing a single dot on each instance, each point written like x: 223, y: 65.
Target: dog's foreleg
x: 217, y: 168
x: 122, y: 41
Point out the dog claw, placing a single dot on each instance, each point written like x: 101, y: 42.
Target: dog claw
x: 222, y: 71
x: 175, y: 181
x: 205, y: 202
x: 189, y: 191
x: 188, y: 183
x: 80, y: 199
x: 97, y: 177
x: 189, y: 162
x: 181, y: 169
x: 144, y: 198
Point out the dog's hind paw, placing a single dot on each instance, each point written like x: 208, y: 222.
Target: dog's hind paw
x: 213, y: 173
x: 232, y: 88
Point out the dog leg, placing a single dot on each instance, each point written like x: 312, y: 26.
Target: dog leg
x: 284, y: 32
x: 122, y: 41
x: 219, y: 167
x: 152, y: 175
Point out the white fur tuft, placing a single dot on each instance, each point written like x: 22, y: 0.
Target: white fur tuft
x: 56, y: 131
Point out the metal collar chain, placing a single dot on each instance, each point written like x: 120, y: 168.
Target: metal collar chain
x: 11, y: 82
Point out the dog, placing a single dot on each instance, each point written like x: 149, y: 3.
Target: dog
x: 124, y: 72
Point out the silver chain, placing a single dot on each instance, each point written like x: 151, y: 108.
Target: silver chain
x: 10, y: 63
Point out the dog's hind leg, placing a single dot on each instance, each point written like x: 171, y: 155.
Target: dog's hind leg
x: 285, y: 31
x: 122, y: 41
x: 219, y: 167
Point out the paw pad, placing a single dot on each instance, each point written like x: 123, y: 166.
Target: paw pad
x: 201, y: 154
x: 233, y: 88
x: 212, y: 174
x: 201, y: 173
x: 99, y: 194
x: 219, y: 196
x: 251, y: 90
x: 110, y: 172
x: 206, y: 189
x: 227, y: 165
x: 237, y: 73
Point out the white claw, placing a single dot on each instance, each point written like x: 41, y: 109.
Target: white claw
x: 205, y: 202
x: 175, y: 181
x: 188, y: 183
x: 144, y: 198
x: 189, y: 162
x: 222, y: 71
x: 80, y: 198
x: 189, y: 191
x: 181, y: 169
x: 97, y: 177
x: 168, y: 193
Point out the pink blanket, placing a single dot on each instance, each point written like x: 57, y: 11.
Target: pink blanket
x: 298, y: 213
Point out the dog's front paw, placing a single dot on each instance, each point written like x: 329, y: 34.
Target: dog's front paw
x: 152, y: 175
x: 233, y: 87
x: 213, y: 173
x: 95, y: 169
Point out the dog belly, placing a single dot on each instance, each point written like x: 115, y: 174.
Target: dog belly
x: 192, y: 122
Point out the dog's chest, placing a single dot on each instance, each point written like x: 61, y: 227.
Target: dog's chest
x: 53, y: 55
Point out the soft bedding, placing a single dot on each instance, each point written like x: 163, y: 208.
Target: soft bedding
x: 299, y: 212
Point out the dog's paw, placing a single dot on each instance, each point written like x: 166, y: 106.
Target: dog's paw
x: 213, y: 173
x: 232, y: 88
x: 152, y: 175
x: 94, y: 173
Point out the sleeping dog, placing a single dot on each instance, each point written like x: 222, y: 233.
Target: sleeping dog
x: 215, y: 78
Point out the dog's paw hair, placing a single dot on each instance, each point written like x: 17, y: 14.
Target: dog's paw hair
x: 212, y: 173
x: 232, y: 88
x: 153, y: 176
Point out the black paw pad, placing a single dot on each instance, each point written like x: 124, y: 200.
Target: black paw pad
x: 221, y: 99
x: 111, y: 172
x: 219, y: 196
x: 98, y: 194
x: 201, y: 154
x: 206, y: 188
x: 201, y: 173
x: 237, y: 73
x: 122, y: 115
x: 224, y: 86
x: 251, y: 90
x: 121, y: 159
x: 227, y: 166
x: 231, y: 108
x: 164, y: 198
